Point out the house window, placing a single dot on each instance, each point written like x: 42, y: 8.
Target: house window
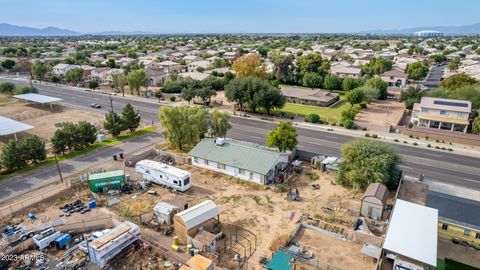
x: 175, y: 182
x: 442, y: 112
x: 195, y: 159
x: 206, y: 162
x: 425, y: 110
x: 461, y: 115
x: 391, y: 77
x: 220, y: 166
x: 444, y: 226
x: 251, y: 175
x: 477, y: 235
x: 466, y: 232
x: 241, y: 171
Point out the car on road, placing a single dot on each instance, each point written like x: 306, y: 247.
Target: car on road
x: 95, y: 105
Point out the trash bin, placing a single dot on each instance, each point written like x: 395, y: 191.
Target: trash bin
x: 121, y: 155
x: 115, y: 157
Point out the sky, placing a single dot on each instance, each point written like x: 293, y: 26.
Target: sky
x: 245, y: 16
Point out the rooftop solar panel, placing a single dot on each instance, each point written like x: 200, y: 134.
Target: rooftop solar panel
x: 451, y: 103
x: 9, y: 126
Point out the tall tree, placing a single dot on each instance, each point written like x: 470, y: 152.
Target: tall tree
x: 312, y: 80
x: 356, y: 96
x: 40, y: 70
x: 249, y: 65
x: 417, y: 71
x: 283, y: 67
x: 113, y: 124
x: 459, y: 80
x: 136, y: 79
x: 350, y: 83
x: 10, y: 157
x: 476, y: 125
x: 93, y: 85
x: 368, y: 161
x: 313, y: 63
x: 188, y: 94
x: 32, y: 148
x: 270, y: 98
x: 8, y: 64
x: 377, y: 65
x: 74, y: 75
x: 284, y: 137
x: 183, y: 125
x: 119, y: 81
x: 380, y: 85
x: 87, y: 133
x: 219, y: 123
x: 206, y: 94
x: 332, y: 82
x: 7, y: 88
x: 411, y: 96
x: 130, y: 118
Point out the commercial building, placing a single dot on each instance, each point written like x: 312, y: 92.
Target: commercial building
x: 309, y: 97
x: 428, y: 33
x: 441, y: 113
x: 411, y: 238
x: 457, y: 217
x: 244, y: 160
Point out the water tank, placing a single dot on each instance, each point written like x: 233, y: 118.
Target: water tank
x: 219, y: 141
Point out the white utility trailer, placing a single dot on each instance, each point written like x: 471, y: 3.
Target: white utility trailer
x: 164, y: 175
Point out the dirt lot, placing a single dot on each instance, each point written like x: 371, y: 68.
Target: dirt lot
x: 469, y: 256
x: 43, y: 119
x: 374, y: 117
x: 335, y: 252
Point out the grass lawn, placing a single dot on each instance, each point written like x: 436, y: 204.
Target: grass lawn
x: 331, y: 114
x: 5, y: 99
x: 83, y: 151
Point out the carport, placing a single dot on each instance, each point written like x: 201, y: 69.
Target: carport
x: 39, y: 99
x: 9, y: 126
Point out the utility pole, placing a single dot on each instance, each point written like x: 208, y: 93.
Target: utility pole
x: 387, y: 127
x: 58, y: 167
x: 111, y: 109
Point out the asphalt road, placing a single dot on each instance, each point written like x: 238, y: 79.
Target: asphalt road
x: 434, y: 77
x: 442, y: 167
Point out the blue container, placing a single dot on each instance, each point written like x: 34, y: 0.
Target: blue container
x: 192, y: 252
x: 31, y: 215
x: 63, y: 240
x: 92, y: 204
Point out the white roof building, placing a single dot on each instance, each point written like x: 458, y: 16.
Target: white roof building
x: 412, y: 235
x: 199, y: 213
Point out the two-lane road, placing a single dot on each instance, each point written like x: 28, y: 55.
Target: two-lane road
x: 443, y: 167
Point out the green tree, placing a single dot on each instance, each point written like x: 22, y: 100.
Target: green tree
x: 40, y: 70
x: 283, y: 67
x: 86, y: 133
x: 437, y: 58
x: 11, y: 158
x: 263, y: 51
x: 111, y: 63
x: 93, y: 85
x: 130, y: 118
x: 8, y: 64
x: 270, y: 98
x: 74, y: 75
x: 313, y: 63
x: 356, y: 96
x: 7, y: 88
x: 284, y: 137
x: 312, y: 80
x: 350, y: 83
x: 32, y: 148
x: 219, y: 123
x: 380, y: 85
x: 249, y: 65
x: 411, y: 96
x: 377, y: 65
x: 249, y: 92
x: 24, y: 89
x: 454, y: 65
x: 367, y: 161
x: 313, y: 118
x: 332, y: 82
x: 417, y: 71
x: 119, y: 81
x: 183, y: 125
x: 370, y: 93
x: 113, y: 124
x: 136, y: 79
x: 476, y: 125
x: 458, y: 80
x: 188, y: 94
x: 205, y: 94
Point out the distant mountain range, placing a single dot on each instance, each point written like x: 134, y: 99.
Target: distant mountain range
x: 472, y: 29
x: 15, y: 30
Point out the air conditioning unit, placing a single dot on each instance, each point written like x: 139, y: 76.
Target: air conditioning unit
x: 219, y: 141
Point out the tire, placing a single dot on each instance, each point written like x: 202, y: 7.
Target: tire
x: 24, y: 237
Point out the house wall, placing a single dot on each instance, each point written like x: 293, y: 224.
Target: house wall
x: 229, y: 170
x: 448, y: 113
x: 392, y: 80
x: 458, y: 231
x: 376, y: 206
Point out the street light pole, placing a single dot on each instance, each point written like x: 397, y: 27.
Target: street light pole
x: 58, y: 167
x: 387, y: 127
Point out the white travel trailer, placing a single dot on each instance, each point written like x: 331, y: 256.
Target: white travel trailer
x: 164, y: 175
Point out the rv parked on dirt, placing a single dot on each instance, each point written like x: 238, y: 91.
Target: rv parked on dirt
x: 164, y: 175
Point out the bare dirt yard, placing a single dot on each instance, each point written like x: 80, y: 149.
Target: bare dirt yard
x: 374, y: 118
x: 44, y: 119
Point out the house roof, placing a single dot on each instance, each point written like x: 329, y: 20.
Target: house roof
x: 194, y: 75
x: 345, y: 70
x: 413, y: 232
x: 204, y: 237
x: 452, y: 208
x: 239, y: 154
x: 377, y: 190
x: 164, y: 208
x: 95, y: 176
x: 199, y: 213
x: 317, y: 95
x: 395, y: 73
x: 446, y: 104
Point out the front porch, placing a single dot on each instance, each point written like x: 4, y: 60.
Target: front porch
x: 443, y: 125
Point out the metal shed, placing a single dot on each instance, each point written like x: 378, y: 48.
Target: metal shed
x: 188, y: 222
x: 164, y: 212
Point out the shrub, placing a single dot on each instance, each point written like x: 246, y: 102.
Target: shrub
x: 411, y: 136
x: 410, y: 125
x: 313, y: 118
x: 437, y: 147
x: 363, y: 105
x: 450, y: 149
x: 367, y: 135
x: 415, y: 143
x: 426, y: 138
x: 173, y: 98
x: 429, y: 145
x: 443, y: 148
x: 374, y: 136
x: 405, y: 142
x: 348, y: 124
x: 396, y: 140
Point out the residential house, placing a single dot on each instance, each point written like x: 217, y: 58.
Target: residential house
x: 61, y: 69
x: 457, y: 217
x: 124, y: 61
x: 240, y: 159
x: 193, y: 66
x: 115, y: 56
x: 171, y: 67
x: 194, y: 75
x: 395, y: 78
x: 374, y: 201
x: 231, y: 56
x: 411, y: 237
x: 191, y: 58
x: 345, y: 71
x: 309, y: 97
x: 442, y: 113
x: 98, y: 55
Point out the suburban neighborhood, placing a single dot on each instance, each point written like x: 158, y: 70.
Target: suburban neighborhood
x: 157, y: 147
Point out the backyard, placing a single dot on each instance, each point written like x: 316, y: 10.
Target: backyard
x: 329, y: 114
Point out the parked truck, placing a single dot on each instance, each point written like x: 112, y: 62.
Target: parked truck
x: 164, y: 175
